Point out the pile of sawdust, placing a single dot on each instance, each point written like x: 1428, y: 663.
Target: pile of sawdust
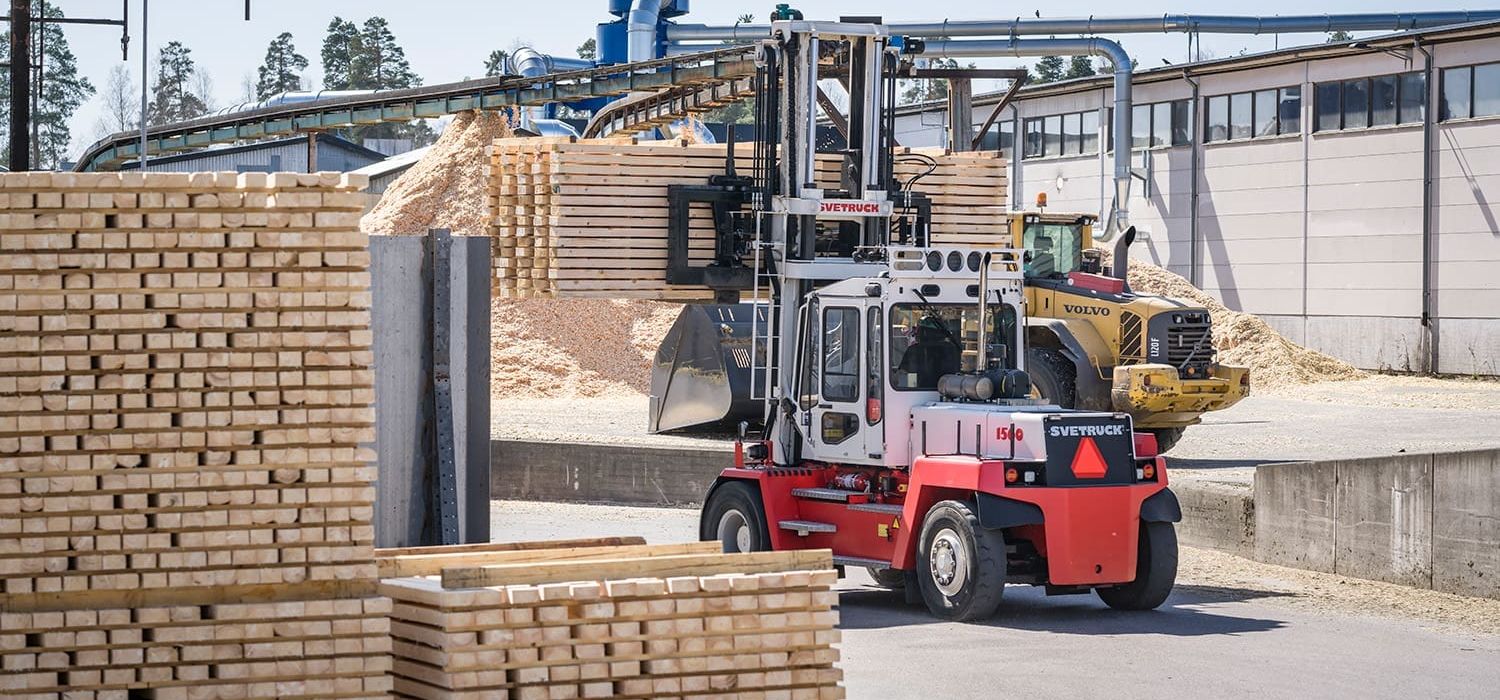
x: 564, y: 348
x: 446, y: 189
x: 1245, y: 339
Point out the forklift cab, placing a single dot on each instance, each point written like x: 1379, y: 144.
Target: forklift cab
x: 876, y: 347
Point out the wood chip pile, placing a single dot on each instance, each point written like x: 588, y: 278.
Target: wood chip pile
x: 184, y: 499
x: 589, y: 218
x: 631, y: 621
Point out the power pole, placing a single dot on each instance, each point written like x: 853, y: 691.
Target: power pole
x: 20, y: 85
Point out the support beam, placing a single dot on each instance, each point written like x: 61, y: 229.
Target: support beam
x: 960, y: 114
x: 312, y: 151
x: 1005, y: 100
x: 20, y: 85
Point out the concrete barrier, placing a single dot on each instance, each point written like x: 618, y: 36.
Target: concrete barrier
x: 1294, y: 514
x: 1466, y: 523
x: 1425, y: 520
x: 1216, y: 516
x: 574, y: 471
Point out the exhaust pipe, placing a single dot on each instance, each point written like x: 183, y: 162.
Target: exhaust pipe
x: 1121, y: 268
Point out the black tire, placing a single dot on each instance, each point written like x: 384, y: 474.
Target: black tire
x: 952, y: 536
x: 1166, y: 438
x: 735, y: 517
x: 1155, y: 571
x: 1053, y: 376
x: 894, y: 579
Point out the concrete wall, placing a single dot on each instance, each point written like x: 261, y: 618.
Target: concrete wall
x: 1428, y: 520
x: 569, y: 471
x: 1320, y: 231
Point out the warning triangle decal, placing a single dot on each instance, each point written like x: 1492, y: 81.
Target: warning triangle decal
x: 1088, y: 463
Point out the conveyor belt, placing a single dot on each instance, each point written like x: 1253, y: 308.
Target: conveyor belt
x: 638, y: 113
x: 690, y: 74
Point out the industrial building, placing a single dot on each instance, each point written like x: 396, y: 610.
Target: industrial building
x: 1293, y: 184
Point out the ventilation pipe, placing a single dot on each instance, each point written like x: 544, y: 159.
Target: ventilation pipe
x: 1119, y: 215
x: 645, y: 17
x: 530, y: 63
x: 1205, y: 24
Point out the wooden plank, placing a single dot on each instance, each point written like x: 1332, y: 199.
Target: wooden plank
x: 427, y: 564
x: 388, y: 552
x: 632, y: 567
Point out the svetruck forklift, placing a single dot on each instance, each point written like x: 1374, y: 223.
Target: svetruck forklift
x: 898, y: 431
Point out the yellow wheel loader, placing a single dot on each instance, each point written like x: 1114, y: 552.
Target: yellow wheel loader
x: 1094, y: 343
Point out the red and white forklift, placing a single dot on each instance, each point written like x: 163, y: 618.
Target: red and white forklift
x: 900, y: 431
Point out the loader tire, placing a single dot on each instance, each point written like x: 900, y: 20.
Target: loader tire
x: 960, y: 565
x: 735, y: 517
x: 1053, y: 376
x: 1155, y: 571
x: 1166, y: 438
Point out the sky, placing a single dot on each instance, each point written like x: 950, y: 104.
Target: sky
x: 448, y: 40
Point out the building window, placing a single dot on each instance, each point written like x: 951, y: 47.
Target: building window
x: 1001, y: 137
x: 1383, y: 100
x: 1090, y: 132
x: 1253, y: 115
x: 1470, y: 91
x: 1158, y: 124
x: 1071, y: 134
x: 1289, y: 111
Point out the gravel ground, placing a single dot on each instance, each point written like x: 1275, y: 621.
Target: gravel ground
x: 1370, y: 417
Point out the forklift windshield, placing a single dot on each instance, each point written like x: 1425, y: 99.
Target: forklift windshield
x: 1053, y: 249
x: 929, y: 341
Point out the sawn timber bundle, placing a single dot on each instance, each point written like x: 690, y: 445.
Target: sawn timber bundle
x: 588, y: 218
x: 185, y: 389
x: 589, y: 619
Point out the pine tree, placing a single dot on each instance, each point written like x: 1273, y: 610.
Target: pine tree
x: 381, y: 63
x: 339, y: 50
x: 282, y: 71
x: 1080, y: 67
x: 61, y: 92
x: 589, y: 50
x: 172, y: 96
x: 495, y: 65
x: 1339, y: 37
x: 1049, y: 69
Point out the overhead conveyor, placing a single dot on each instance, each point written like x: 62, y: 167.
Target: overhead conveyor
x: 701, y: 71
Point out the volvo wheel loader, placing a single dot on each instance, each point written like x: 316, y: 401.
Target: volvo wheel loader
x: 899, y: 430
x: 1095, y: 343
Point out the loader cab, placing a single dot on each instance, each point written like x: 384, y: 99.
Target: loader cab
x: 870, y: 349
x: 1056, y: 245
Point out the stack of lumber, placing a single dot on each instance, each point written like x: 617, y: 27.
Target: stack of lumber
x: 588, y: 620
x: 186, y: 371
x: 968, y: 193
x: 588, y: 218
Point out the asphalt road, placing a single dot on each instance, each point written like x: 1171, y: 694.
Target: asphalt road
x: 1232, y: 629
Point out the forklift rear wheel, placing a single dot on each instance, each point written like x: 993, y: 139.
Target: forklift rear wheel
x: 735, y: 517
x: 886, y: 577
x: 1155, y: 571
x: 960, y: 565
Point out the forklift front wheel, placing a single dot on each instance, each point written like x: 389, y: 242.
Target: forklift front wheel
x: 960, y: 565
x: 735, y: 517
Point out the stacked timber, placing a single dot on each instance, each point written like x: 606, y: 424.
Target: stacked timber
x: 582, y: 619
x: 588, y: 218
x: 968, y: 193
x: 185, y: 502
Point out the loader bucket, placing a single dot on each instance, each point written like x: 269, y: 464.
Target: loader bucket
x: 703, y: 370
